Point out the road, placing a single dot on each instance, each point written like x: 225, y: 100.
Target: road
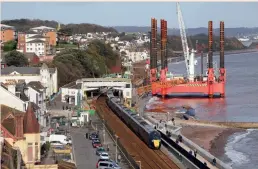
x: 84, y: 153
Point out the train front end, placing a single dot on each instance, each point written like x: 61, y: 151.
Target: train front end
x: 155, y: 140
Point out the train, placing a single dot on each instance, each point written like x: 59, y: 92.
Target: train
x: 146, y: 132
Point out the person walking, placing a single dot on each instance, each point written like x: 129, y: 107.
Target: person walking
x: 173, y: 121
x: 119, y: 158
x: 195, y: 153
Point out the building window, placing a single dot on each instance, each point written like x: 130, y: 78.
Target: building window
x: 39, y: 48
x: 30, y: 152
x: 28, y: 48
x: 36, y: 151
x: 30, y: 44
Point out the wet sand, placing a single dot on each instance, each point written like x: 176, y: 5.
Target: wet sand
x: 212, y: 139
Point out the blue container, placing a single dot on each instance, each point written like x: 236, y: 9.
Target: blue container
x: 190, y: 112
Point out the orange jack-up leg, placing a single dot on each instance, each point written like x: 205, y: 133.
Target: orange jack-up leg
x: 153, y: 78
x: 210, y: 82
x: 222, y: 60
x: 222, y: 79
x: 210, y: 61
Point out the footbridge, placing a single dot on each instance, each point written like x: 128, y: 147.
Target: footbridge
x: 122, y: 84
x: 85, y: 85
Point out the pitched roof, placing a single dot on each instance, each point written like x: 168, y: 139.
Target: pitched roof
x: 21, y: 70
x: 36, y: 41
x: 5, y: 110
x: 41, y: 27
x: 36, y: 85
x: 31, y: 32
x: 37, y: 36
x: 30, y: 123
x: 9, y: 123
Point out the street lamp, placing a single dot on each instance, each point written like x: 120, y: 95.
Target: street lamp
x: 116, y: 146
x: 104, y: 131
x: 139, y: 163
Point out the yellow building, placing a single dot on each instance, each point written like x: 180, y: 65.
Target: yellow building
x: 22, y: 131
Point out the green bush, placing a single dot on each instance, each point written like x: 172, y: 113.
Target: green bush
x: 9, y: 46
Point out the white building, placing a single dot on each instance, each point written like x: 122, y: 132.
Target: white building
x: 42, y: 28
x: 10, y: 99
x: 137, y: 56
x: 69, y: 93
x: 19, y: 95
x: 36, y: 46
x: 46, y: 76
x: 89, y: 36
x: 37, y: 94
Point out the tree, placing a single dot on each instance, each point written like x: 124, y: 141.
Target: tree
x: 16, y: 58
x: 66, y: 31
x: 73, y: 64
x: 9, y: 46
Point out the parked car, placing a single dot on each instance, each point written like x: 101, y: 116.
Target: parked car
x: 104, y: 155
x: 102, y: 160
x: 96, y: 143
x: 56, y: 143
x: 99, y: 150
x: 110, y: 164
x: 93, y: 135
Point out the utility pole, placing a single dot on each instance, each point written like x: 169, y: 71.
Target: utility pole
x: 104, y: 131
x: 116, y: 147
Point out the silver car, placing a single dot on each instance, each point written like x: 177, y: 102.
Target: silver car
x: 108, y: 164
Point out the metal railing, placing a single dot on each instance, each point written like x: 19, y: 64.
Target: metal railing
x: 182, y: 152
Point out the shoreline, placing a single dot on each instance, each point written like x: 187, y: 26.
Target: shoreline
x: 212, y: 139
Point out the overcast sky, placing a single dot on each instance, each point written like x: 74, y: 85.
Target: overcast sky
x: 196, y: 14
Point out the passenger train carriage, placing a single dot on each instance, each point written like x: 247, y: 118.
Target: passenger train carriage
x: 145, y: 131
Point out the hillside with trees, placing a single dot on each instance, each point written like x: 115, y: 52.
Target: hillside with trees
x: 73, y: 64
x: 175, y: 43
x: 230, y: 32
x: 83, y: 28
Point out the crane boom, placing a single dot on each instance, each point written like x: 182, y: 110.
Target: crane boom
x: 183, y: 37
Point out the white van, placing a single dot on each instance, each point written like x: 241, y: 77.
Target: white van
x: 56, y: 138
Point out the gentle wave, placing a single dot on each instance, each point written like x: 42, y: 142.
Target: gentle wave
x: 237, y: 157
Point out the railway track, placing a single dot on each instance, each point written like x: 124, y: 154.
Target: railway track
x: 149, y: 159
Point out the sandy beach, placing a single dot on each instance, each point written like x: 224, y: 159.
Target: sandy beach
x: 212, y: 139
